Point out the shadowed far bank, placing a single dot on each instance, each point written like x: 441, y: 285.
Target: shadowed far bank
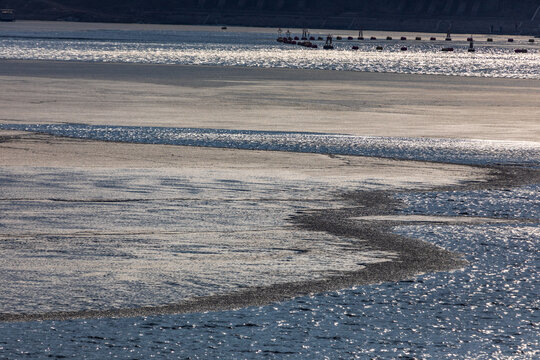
x: 462, y: 16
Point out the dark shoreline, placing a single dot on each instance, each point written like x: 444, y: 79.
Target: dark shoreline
x: 413, y: 256
x: 431, y: 15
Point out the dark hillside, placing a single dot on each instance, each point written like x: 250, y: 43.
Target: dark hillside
x: 508, y: 16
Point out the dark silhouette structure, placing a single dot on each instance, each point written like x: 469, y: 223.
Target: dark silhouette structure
x: 485, y: 16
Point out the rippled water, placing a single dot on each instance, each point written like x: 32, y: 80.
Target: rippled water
x: 500, y: 203
x: 489, y: 310
x: 253, y: 49
x: 459, y: 151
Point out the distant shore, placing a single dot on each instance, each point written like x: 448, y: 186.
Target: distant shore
x: 296, y: 29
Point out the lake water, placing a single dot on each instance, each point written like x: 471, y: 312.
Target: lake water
x: 260, y: 49
x: 457, y: 151
x: 488, y: 310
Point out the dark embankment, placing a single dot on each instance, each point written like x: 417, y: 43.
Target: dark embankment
x: 465, y: 16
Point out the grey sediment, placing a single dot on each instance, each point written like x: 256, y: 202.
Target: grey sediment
x: 413, y: 256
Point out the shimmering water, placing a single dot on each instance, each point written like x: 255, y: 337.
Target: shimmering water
x: 80, y: 239
x: 260, y: 49
x: 499, y: 203
x: 489, y: 310
x: 459, y: 151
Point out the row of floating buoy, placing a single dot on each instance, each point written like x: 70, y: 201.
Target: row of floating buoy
x: 312, y: 38
x: 305, y: 36
x: 419, y: 38
x: 330, y: 46
x: 291, y: 41
x: 306, y: 39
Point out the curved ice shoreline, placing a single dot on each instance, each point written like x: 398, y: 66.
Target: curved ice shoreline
x: 455, y: 151
x: 411, y: 257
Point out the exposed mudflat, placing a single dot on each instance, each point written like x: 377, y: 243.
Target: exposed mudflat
x: 342, y: 102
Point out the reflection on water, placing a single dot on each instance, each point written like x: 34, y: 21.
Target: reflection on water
x: 459, y: 151
x: 489, y: 310
x: 261, y: 50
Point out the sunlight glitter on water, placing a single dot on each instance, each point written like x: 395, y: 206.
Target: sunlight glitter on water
x: 487, y: 311
x: 261, y: 50
x: 459, y: 151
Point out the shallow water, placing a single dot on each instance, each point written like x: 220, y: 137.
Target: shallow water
x: 253, y: 49
x: 458, y: 151
x: 488, y: 310
x: 126, y: 238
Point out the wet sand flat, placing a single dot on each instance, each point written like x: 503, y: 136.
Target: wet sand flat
x: 355, y: 103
